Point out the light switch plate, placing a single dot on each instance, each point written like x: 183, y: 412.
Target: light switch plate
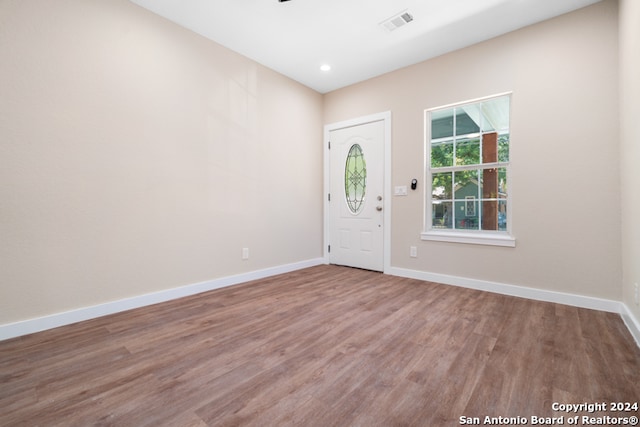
x: 400, y: 190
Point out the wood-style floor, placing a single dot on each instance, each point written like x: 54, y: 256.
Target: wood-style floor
x: 324, y: 346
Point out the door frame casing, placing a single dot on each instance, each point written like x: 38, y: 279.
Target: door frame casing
x: 385, y: 117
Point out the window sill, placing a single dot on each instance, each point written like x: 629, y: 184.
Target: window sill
x: 473, y: 238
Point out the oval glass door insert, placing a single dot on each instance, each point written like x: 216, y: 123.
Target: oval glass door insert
x: 355, y: 179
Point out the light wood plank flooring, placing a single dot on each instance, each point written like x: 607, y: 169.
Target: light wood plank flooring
x: 324, y: 346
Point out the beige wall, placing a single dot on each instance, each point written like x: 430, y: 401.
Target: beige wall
x: 565, y: 156
x: 630, y: 148
x: 136, y: 156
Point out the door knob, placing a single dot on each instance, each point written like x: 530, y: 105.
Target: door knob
x: 378, y: 208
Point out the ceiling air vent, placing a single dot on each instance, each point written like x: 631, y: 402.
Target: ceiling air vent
x: 397, y: 21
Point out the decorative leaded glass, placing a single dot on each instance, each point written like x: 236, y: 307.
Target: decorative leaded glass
x: 355, y: 179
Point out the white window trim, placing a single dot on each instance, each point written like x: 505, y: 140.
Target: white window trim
x: 491, y: 238
x: 480, y: 237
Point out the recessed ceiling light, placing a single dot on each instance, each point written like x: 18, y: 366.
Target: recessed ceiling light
x: 325, y: 67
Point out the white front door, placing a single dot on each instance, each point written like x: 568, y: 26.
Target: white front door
x: 356, y: 199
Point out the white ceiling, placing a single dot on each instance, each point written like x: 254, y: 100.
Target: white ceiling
x: 296, y: 37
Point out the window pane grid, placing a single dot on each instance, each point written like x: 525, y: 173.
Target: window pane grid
x: 469, y: 167
x: 468, y: 158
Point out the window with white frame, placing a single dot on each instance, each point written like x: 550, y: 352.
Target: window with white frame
x: 467, y: 170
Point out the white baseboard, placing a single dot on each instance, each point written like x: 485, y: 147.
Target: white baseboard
x: 632, y: 323
x: 517, y: 291
x: 30, y: 326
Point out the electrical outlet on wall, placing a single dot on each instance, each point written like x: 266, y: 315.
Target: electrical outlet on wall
x: 636, y: 296
x: 413, y: 252
x: 245, y: 253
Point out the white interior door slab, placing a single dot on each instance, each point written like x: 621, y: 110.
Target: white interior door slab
x: 356, y: 200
